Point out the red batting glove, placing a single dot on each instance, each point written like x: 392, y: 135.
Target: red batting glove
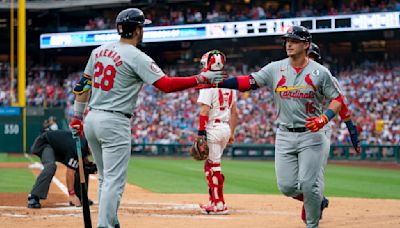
x: 315, y: 123
x: 76, y: 125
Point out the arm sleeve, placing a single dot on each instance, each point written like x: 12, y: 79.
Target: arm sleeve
x: 147, y: 69
x: 173, y: 84
x: 329, y: 89
x: 264, y: 77
x: 205, y: 97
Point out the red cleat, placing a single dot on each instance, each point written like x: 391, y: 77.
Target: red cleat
x: 211, y: 209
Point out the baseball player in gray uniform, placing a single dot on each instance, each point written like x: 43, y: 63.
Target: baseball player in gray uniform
x: 114, y: 74
x: 217, y: 123
x: 344, y: 113
x: 299, y: 86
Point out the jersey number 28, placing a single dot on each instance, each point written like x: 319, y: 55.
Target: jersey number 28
x: 108, y: 73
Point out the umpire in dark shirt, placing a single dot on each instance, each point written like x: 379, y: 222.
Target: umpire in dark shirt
x: 52, y: 146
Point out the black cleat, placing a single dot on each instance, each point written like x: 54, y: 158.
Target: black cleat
x: 34, y: 202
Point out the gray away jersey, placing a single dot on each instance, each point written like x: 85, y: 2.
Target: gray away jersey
x: 297, y: 96
x: 118, y: 71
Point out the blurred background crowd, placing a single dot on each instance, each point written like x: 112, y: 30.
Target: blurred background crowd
x: 366, y: 64
x: 372, y: 90
x: 217, y: 11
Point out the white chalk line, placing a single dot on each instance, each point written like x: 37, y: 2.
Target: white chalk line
x: 154, y: 206
x: 40, y: 216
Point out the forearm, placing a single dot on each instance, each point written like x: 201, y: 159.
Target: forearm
x: 233, y: 119
x: 70, y: 179
x: 174, y: 84
x: 333, y: 108
x: 233, y: 124
x: 241, y: 83
x: 80, y: 103
x: 203, y: 119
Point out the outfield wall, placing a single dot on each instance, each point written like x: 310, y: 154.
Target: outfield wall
x: 267, y: 151
x: 11, y: 126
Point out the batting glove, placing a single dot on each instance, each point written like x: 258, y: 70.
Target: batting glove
x: 211, y: 77
x: 353, y: 136
x: 76, y: 125
x: 315, y: 123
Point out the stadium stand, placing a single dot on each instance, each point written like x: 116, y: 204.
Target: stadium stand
x: 372, y: 90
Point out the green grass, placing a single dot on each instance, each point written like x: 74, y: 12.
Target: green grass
x: 257, y: 177
x: 4, y: 157
x: 16, y: 180
x: 187, y: 176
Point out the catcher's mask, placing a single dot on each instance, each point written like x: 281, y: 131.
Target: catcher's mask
x: 214, y: 60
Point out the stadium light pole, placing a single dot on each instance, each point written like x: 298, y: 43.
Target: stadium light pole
x: 22, y: 65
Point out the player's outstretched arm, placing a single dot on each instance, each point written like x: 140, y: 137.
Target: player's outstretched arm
x: 174, y: 84
x: 241, y: 83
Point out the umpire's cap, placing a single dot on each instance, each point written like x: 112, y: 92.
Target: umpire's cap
x: 297, y: 32
x: 128, y: 19
x: 314, y: 51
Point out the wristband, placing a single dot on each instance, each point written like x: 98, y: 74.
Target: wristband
x: 79, y: 108
x: 329, y: 114
x: 203, y: 122
x: 71, y: 192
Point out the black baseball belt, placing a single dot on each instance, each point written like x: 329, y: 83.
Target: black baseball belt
x: 112, y: 111
x: 293, y: 129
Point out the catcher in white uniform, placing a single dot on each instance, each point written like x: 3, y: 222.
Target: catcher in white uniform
x: 218, y: 119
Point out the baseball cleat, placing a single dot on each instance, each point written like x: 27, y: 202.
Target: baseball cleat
x: 214, y: 210
x: 34, y: 202
x: 324, y: 204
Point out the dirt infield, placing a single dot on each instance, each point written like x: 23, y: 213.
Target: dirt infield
x: 140, y: 208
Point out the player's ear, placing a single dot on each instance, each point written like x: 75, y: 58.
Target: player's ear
x: 138, y: 30
x: 308, y: 45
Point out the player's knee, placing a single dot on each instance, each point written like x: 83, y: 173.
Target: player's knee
x: 50, y: 167
x: 287, y: 189
x: 309, y: 188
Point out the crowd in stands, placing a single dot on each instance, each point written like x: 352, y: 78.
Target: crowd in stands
x: 372, y: 91
x: 225, y: 11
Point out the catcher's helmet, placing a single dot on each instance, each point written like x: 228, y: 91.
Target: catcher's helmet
x: 128, y: 19
x: 314, y: 51
x: 297, y: 33
x: 214, y: 59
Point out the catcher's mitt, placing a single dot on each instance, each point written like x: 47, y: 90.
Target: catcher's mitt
x: 199, y: 150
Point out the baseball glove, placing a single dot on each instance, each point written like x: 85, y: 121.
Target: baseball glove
x: 199, y: 150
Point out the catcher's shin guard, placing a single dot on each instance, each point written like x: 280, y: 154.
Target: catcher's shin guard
x: 215, y: 180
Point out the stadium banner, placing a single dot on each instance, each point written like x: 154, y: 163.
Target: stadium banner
x: 270, y: 27
x: 10, y: 111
